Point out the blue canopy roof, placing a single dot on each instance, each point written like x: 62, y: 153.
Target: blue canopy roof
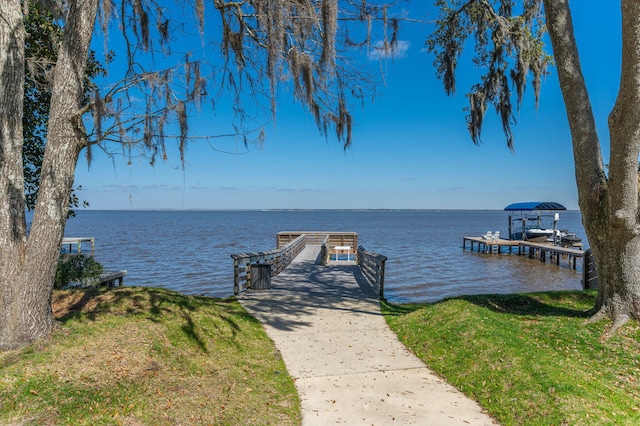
x: 535, y: 205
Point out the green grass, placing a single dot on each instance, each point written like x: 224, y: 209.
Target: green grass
x: 142, y: 356
x: 528, y: 359
x: 139, y: 356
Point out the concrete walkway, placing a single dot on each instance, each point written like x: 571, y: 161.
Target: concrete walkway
x: 348, y: 366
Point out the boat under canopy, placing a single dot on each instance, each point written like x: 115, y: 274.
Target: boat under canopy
x: 531, y: 218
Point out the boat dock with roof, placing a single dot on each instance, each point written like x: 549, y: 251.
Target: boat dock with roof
x: 529, y: 237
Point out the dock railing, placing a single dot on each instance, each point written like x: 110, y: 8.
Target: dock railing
x: 372, y: 267
x: 331, y: 243
x: 313, y: 238
x: 278, y: 258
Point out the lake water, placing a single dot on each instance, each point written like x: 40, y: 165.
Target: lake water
x: 189, y: 251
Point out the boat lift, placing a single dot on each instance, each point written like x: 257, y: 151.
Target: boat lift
x: 532, y: 212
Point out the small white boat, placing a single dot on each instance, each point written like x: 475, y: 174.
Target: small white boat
x: 535, y: 235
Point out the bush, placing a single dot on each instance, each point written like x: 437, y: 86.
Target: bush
x: 76, y: 268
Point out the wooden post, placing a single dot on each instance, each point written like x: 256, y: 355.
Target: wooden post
x: 589, y: 271
x: 236, y: 287
x: 382, y: 279
x: 249, y: 271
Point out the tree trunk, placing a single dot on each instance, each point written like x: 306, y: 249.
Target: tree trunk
x: 12, y: 220
x: 26, y: 292
x: 620, y: 297
x: 609, y: 206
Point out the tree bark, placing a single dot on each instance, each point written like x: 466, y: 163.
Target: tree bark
x: 12, y: 220
x: 609, y: 205
x: 621, y: 296
x: 26, y: 291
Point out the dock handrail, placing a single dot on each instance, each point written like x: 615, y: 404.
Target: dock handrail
x: 372, y: 267
x: 278, y: 258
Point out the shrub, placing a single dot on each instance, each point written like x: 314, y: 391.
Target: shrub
x: 76, y: 268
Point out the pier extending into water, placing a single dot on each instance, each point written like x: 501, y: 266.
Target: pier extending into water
x: 533, y: 250
x: 254, y: 270
x: 542, y: 251
x: 77, y: 241
x: 324, y: 317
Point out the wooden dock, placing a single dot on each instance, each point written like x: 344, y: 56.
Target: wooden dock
x: 77, y: 241
x: 348, y: 367
x: 489, y: 246
x: 108, y: 278
x: 540, y: 251
x: 254, y: 270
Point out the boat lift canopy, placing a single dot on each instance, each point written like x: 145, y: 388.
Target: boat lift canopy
x: 531, y: 221
x: 535, y: 206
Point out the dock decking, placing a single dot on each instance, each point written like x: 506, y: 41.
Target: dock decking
x: 255, y: 269
x: 110, y: 278
x: 532, y: 250
x: 487, y: 245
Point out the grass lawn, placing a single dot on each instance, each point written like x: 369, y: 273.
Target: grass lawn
x: 528, y: 359
x: 143, y: 356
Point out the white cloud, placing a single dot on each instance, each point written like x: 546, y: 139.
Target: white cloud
x: 452, y: 188
x: 297, y: 190
x: 162, y: 187
x: 397, y: 51
x: 114, y: 188
x: 133, y: 187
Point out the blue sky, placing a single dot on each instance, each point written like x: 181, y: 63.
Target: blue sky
x: 411, y: 148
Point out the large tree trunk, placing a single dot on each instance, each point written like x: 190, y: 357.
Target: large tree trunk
x: 609, y: 206
x: 620, y: 297
x: 26, y: 288
x: 12, y: 221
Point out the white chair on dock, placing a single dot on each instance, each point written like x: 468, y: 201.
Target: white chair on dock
x: 487, y: 236
x: 496, y: 235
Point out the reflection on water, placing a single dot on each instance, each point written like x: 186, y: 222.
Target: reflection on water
x: 189, y: 251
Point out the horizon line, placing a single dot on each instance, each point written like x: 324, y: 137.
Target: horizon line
x: 299, y: 209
